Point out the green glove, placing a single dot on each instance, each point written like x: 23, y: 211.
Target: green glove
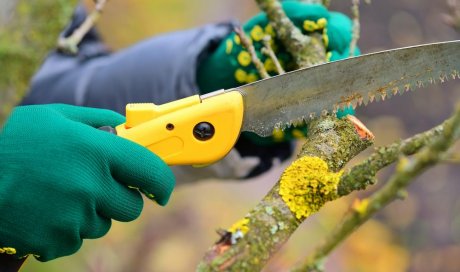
x: 230, y: 64
x: 62, y: 180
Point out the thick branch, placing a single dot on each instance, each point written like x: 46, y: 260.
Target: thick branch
x: 272, y: 222
x: 306, y: 51
x: 26, y: 37
x: 406, y: 171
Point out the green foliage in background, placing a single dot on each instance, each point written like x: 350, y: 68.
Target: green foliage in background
x: 24, y: 41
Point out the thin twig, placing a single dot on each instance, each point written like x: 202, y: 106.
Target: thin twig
x: 326, y: 3
x: 406, y: 171
x: 453, y: 17
x: 252, y: 52
x: 362, y: 175
x: 268, y: 50
x: 356, y: 27
x: 451, y: 158
x: 70, y: 44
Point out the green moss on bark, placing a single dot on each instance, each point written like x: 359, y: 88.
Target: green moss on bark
x: 26, y: 39
x: 271, y: 222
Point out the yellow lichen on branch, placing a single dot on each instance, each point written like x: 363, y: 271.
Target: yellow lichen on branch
x: 241, y: 225
x: 303, y: 189
x: 307, y: 184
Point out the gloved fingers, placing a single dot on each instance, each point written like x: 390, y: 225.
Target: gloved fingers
x: 91, y: 116
x: 339, y: 29
x: 120, y: 202
x: 96, y: 227
x: 64, y: 246
x: 341, y: 113
x: 136, y: 166
x: 299, y: 12
x: 296, y: 11
x: 336, y: 55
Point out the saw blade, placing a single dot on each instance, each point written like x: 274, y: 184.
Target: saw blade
x: 298, y: 96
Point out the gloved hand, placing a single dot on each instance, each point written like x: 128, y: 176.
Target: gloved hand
x: 229, y: 65
x: 62, y: 180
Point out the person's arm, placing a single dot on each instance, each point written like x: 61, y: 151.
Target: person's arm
x: 175, y: 65
x: 158, y: 69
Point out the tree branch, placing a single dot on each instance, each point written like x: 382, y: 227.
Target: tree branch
x: 363, y: 174
x: 306, y: 51
x: 249, y: 243
x: 326, y: 3
x: 406, y: 171
x: 26, y: 38
x: 453, y: 17
x: 268, y: 50
x: 70, y: 44
x: 252, y: 52
x: 356, y: 27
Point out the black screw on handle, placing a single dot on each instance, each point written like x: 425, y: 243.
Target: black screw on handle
x: 109, y: 129
x: 203, y: 131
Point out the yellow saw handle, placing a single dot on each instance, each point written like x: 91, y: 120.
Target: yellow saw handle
x: 191, y: 131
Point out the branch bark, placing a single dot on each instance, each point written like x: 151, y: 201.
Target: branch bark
x: 406, y: 172
x: 252, y: 52
x: 268, y: 50
x: 356, y: 27
x: 27, y: 36
x: 306, y: 51
x: 363, y: 174
x: 252, y: 241
x: 70, y: 44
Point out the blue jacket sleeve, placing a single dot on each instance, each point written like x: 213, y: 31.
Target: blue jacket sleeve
x: 158, y: 70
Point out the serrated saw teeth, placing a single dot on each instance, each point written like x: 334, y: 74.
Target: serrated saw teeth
x: 335, y: 108
x: 407, y: 87
x: 298, y: 122
x: 355, y: 104
x: 443, y: 78
x: 371, y: 97
x: 350, y: 82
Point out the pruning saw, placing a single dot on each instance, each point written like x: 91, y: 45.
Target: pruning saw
x: 200, y: 130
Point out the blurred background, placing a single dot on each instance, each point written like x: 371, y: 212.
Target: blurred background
x: 421, y: 233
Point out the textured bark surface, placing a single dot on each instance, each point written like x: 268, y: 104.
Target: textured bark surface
x: 271, y: 223
x: 28, y: 30
x: 306, y: 51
